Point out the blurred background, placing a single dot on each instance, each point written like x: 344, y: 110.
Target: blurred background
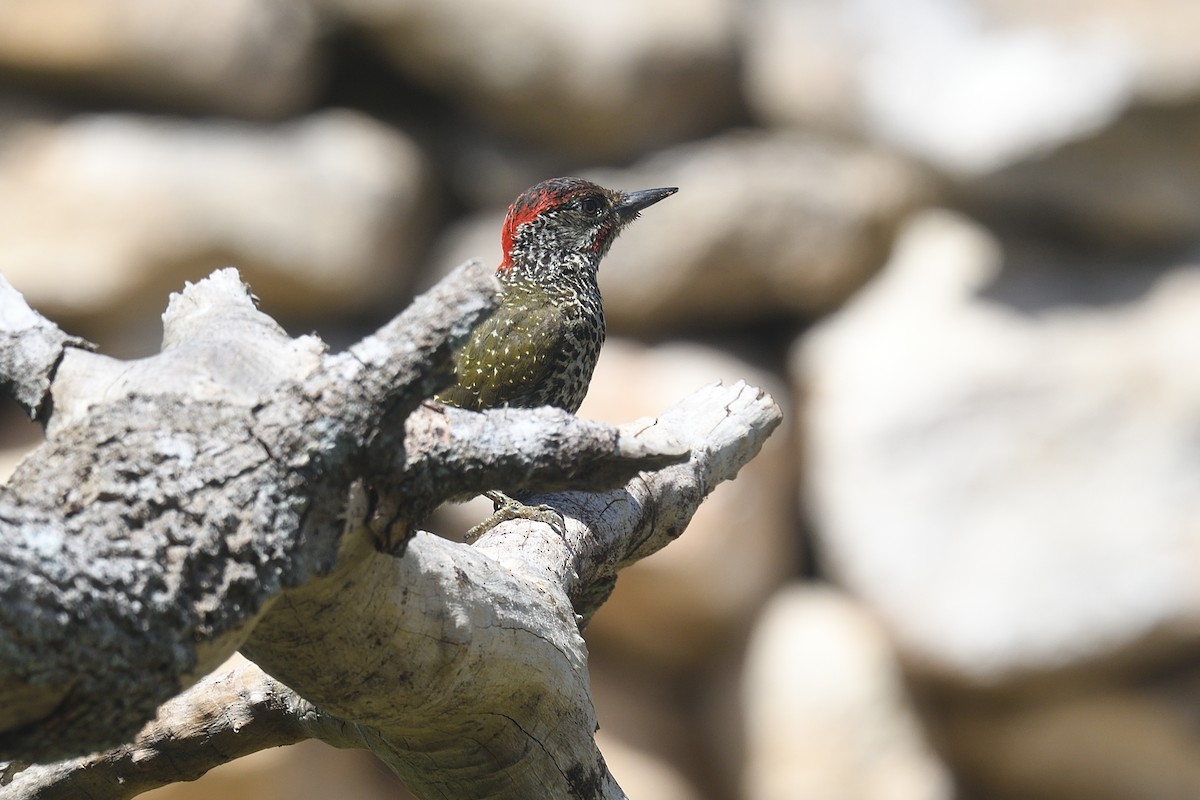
x: 958, y: 240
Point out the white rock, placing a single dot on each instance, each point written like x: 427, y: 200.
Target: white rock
x: 1134, y: 185
x: 945, y: 80
x: 602, y: 80
x: 106, y: 214
x: 250, y: 57
x: 1010, y: 492
x: 827, y: 714
x: 641, y: 774
x: 1108, y: 745
x: 1158, y: 36
x: 645, y: 715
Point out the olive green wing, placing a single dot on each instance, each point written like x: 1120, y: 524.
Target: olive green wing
x: 506, y: 359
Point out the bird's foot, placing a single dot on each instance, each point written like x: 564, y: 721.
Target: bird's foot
x: 507, y: 508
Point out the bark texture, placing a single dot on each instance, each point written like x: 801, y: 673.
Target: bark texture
x: 246, y: 490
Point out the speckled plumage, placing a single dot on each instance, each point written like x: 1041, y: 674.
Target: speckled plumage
x: 541, y: 344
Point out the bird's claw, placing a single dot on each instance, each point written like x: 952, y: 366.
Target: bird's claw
x: 507, y: 509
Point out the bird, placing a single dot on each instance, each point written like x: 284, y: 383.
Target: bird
x: 541, y: 344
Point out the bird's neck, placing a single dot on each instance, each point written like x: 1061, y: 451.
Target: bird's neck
x: 551, y: 269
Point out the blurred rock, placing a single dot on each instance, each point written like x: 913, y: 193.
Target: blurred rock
x: 946, y: 80
x: 247, y: 57
x: 106, y: 214
x: 1010, y: 491
x: 1110, y: 746
x: 679, y: 608
x: 643, y: 708
x: 827, y: 715
x: 1134, y: 185
x: 764, y: 224
x: 802, y: 65
x: 1158, y: 36
x: 596, y: 80
x: 643, y: 775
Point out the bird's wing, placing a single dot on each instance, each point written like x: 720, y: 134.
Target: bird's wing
x: 506, y: 358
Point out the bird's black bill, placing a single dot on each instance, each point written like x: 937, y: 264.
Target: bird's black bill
x: 636, y: 201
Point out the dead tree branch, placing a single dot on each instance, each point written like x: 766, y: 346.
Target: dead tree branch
x: 245, y: 490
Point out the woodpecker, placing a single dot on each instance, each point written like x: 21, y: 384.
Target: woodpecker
x: 540, y: 346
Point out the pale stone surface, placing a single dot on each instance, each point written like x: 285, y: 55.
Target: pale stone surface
x: 1114, y: 744
x: 969, y: 85
x: 113, y: 211
x: 826, y: 711
x: 1158, y: 36
x: 642, y: 775
x: 1010, y: 491
x: 763, y: 224
x: 643, y: 708
x: 1135, y: 184
x: 601, y: 80
x: 249, y: 57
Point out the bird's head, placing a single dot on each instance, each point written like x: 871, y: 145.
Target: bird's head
x: 567, y: 224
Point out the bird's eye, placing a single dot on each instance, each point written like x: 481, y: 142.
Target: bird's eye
x: 591, y: 205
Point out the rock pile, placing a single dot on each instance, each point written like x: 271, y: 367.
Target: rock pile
x: 959, y: 239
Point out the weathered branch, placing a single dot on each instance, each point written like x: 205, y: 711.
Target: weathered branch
x: 244, y: 489
x: 724, y: 427
x: 546, y: 448
x: 227, y: 715
x: 31, y: 348
x: 176, y: 497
